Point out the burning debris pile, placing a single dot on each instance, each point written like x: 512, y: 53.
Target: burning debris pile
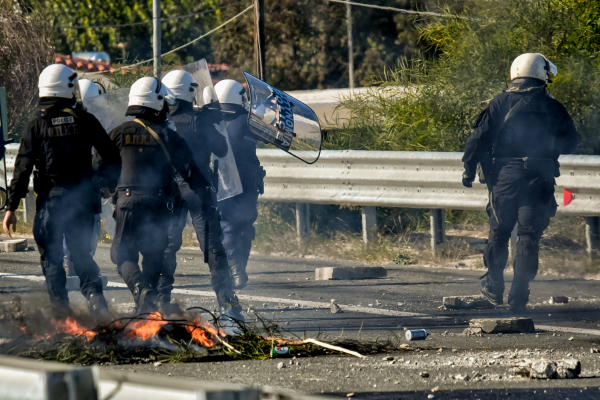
x: 196, y: 334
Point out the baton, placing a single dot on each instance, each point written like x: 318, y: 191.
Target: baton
x: 214, y: 188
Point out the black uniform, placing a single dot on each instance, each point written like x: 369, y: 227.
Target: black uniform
x: 239, y: 213
x: 198, y: 130
x: 58, y: 142
x: 517, y: 140
x: 145, y: 195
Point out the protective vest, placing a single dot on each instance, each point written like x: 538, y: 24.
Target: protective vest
x: 530, y: 127
x: 67, y: 149
x: 144, y: 164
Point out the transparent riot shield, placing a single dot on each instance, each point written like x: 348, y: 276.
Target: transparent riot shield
x: 229, y: 178
x: 283, y: 121
x: 109, y: 108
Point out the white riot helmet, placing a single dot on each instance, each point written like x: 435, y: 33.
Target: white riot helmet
x: 532, y: 65
x: 181, y: 83
x: 58, y: 80
x: 150, y: 92
x: 232, y: 95
x: 88, y: 89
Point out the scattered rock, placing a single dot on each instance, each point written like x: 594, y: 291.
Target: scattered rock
x: 460, y: 377
x: 435, y: 389
x: 570, y: 339
x: 593, y: 351
x: 335, y: 309
x: 466, y: 302
x: 430, y: 396
x: 350, y: 395
x: 157, y: 364
x: 388, y: 358
x: 424, y: 374
x: 280, y: 365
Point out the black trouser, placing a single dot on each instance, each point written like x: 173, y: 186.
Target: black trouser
x: 68, y: 213
x: 238, y: 215
x: 217, y: 260
x: 528, y: 200
x: 142, y: 221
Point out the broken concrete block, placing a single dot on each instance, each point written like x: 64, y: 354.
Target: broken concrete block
x: 473, y: 332
x: 343, y: 273
x: 466, y: 302
x: 547, y: 369
x: 504, y: 325
x: 335, y: 309
x: 568, y: 368
x: 13, y: 245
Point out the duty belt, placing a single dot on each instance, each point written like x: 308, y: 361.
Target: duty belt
x: 140, y: 192
x: 524, y: 159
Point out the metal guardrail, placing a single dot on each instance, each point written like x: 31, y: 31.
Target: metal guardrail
x: 408, y: 179
x: 26, y: 379
x: 398, y: 179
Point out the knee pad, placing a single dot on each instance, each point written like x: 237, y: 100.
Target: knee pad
x: 528, y: 241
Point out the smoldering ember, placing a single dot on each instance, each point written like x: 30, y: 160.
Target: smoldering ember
x: 265, y: 199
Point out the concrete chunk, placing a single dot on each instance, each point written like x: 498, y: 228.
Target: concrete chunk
x: 548, y: 369
x: 13, y: 245
x: 466, y: 302
x: 344, y: 273
x: 504, y: 325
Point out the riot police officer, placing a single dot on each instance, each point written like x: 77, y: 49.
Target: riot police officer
x: 517, y: 140
x: 238, y: 213
x: 197, y: 127
x: 58, y: 143
x: 145, y: 191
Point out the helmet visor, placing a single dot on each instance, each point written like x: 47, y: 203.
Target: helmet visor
x: 74, y: 85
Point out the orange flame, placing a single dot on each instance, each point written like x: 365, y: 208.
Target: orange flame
x: 146, y: 328
x: 201, y: 332
x: 72, y: 327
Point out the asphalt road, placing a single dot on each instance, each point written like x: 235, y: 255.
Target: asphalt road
x: 410, y: 297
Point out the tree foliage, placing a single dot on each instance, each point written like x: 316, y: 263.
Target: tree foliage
x: 306, y: 40
x: 24, y: 53
x: 427, y: 104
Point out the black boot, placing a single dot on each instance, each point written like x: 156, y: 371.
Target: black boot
x: 239, y: 276
x: 99, y: 308
x: 229, y: 301
x: 518, y: 297
x: 492, y: 292
x: 145, y: 299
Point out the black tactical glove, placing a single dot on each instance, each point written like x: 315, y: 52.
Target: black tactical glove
x: 468, y: 178
x: 209, y: 212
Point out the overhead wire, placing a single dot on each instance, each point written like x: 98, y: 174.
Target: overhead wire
x: 147, y: 22
x: 183, y: 46
x: 401, y: 10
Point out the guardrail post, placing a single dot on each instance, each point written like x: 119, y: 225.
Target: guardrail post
x: 369, y: 223
x: 512, y: 244
x: 592, y: 234
x: 29, y: 207
x: 437, y: 221
x: 303, y: 221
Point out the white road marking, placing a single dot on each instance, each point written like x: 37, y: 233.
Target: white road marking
x: 569, y: 330
x: 314, y: 304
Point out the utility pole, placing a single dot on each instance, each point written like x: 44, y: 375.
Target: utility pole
x: 260, y: 69
x: 156, y: 36
x: 350, y: 42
